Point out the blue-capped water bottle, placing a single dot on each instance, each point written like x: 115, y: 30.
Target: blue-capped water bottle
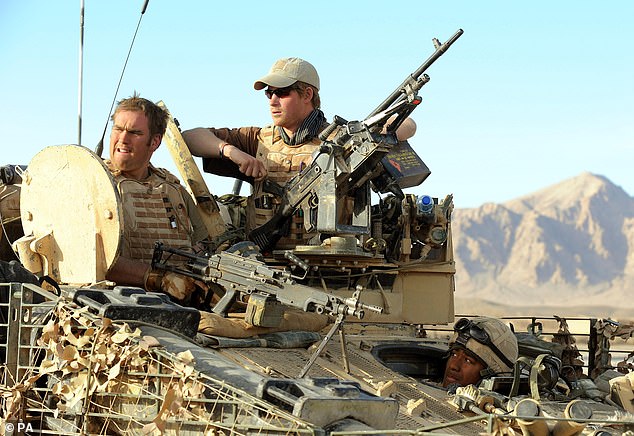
x: 425, y: 205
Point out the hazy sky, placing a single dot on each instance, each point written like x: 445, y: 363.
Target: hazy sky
x: 533, y: 93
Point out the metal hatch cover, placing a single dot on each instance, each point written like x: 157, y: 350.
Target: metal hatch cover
x: 71, y: 214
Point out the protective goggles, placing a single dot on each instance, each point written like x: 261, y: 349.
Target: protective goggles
x: 467, y: 329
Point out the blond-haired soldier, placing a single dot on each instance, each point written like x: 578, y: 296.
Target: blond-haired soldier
x: 277, y: 151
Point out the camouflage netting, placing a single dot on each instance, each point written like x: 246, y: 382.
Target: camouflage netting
x: 108, y: 378
x: 571, y: 358
x: 607, y: 331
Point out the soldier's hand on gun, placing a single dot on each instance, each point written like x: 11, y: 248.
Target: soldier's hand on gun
x: 249, y: 166
x: 405, y: 131
x: 179, y: 286
x: 176, y: 285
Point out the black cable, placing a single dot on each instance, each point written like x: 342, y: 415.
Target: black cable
x: 99, y: 148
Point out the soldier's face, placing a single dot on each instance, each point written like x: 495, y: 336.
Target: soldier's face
x: 462, y: 369
x: 290, y: 110
x: 131, y: 145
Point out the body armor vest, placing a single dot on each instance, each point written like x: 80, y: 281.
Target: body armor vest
x: 282, y: 162
x: 153, y: 210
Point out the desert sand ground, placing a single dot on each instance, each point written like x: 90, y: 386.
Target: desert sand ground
x: 472, y: 306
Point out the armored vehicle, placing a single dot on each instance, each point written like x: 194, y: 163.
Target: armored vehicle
x: 348, y: 336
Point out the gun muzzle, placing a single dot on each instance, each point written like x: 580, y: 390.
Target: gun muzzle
x: 575, y: 410
x: 371, y: 307
x: 352, y: 306
x: 530, y: 419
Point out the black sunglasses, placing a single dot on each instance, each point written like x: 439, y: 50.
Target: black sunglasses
x: 467, y: 329
x: 280, y: 92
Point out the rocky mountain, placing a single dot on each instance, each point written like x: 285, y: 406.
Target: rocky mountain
x: 568, y: 244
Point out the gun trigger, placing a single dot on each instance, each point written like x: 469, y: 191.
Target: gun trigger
x: 309, y: 225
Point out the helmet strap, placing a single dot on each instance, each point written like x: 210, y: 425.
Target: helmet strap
x: 487, y: 372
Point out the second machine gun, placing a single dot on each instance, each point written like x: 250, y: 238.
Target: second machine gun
x: 264, y: 287
x: 351, y: 160
x: 267, y: 289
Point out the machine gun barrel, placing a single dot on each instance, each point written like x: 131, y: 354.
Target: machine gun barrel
x: 398, y: 92
x: 242, y: 276
x: 346, y: 164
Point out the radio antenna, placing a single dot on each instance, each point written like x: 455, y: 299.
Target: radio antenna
x: 99, y: 148
x: 81, y: 67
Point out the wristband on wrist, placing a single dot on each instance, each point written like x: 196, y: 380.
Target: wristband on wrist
x: 222, y: 150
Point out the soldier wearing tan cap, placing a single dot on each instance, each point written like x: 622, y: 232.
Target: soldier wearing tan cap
x: 278, y: 151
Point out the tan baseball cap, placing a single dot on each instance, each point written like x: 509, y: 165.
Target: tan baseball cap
x: 287, y: 71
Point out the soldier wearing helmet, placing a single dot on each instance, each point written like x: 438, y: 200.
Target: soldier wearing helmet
x: 480, y: 347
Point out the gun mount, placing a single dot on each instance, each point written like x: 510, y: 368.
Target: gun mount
x: 105, y: 360
x: 334, y: 190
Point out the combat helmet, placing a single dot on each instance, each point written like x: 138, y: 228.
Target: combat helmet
x: 489, y: 339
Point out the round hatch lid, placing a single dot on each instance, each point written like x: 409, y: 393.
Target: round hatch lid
x: 70, y: 203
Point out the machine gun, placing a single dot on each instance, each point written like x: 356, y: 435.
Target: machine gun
x: 350, y: 161
x: 265, y: 287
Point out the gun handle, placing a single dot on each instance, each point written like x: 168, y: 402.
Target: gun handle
x: 267, y: 235
x: 272, y: 188
x: 222, y: 307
